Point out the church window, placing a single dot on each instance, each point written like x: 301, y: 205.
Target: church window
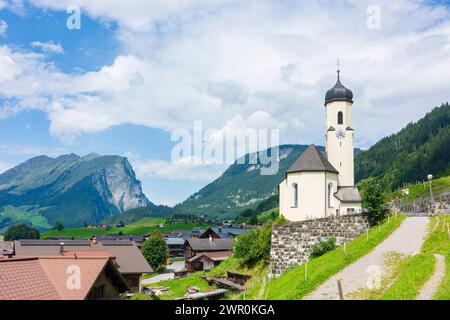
x: 330, y: 195
x: 340, y: 117
x: 295, y: 195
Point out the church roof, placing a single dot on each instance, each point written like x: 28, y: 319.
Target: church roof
x: 348, y: 194
x: 339, y: 92
x: 312, y: 160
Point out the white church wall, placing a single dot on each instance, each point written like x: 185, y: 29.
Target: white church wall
x: 311, y: 196
x: 331, y: 178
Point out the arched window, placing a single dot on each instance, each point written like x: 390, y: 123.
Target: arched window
x: 295, y: 195
x: 330, y: 195
x: 340, y: 117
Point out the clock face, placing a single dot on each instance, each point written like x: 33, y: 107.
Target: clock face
x: 340, y: 134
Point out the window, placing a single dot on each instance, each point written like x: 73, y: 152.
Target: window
x: 294, y: 195
x: 330, y: 195
x: 340, y: 117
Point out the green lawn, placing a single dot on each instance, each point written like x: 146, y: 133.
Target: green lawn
x: 439, y: 242
x: 418, y: 270
x: 292, y: 284
x: 138, y: 228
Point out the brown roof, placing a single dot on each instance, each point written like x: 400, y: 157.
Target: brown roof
x: 210, y: 244
x: 129, y: 258
x: 312, y: 159
x: 214, y: 256
x: 45, y: 278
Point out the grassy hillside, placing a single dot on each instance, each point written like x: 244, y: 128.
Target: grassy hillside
x: 138, y: 228
x: 420, y: 148
x: 423, y: 189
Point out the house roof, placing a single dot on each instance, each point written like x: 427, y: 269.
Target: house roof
x: 174, y: 241
x: 225, y: 232
x: 128, y: 256
x: 348, y: 194
x: 213, y: 256
x: 312, y: 159
x: 45, y: 278
x: 210, y: 245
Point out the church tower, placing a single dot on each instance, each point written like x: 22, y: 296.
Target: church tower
x: 340, y: 133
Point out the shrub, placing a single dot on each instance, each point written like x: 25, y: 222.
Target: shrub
x: 319, y: 249
x: 375, y: 201
x: 254, y: 246
x: 21, y: 231
x: 58, y: 226
x: 155, y: 251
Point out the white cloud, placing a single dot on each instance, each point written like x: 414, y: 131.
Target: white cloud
x: 250, y: 63
x: 49, y: 46
x: 3, y: 27
x: 4, y: 166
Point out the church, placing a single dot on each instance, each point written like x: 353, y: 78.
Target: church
x: 319, y: 184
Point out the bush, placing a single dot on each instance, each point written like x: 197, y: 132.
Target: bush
x: 58, y: 226
x: 319, y: 249
x: 155, y: 250
x: 21, y: 231
x: 254, y: 246
x: 375, y: 201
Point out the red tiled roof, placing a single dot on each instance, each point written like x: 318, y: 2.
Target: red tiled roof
x: 47, y: 278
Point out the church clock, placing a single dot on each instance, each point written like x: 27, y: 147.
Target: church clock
x: 340, y: 134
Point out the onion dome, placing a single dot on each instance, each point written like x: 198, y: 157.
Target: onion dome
x: 339, y: 92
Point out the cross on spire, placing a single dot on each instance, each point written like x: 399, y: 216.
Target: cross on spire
x: 338, y: 64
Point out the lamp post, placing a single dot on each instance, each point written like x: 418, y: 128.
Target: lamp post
x: 430, y: 179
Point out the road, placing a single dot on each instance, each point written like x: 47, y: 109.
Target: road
x: 406, y: 240
x: 166, y: 274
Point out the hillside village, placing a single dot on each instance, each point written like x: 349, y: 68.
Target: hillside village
x: 322, y: 219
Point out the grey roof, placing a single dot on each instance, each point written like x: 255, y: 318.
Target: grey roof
x: 128, y: 257
x: 348, y: 194
x: 68, y: 242
x: 210, y: 245
x: 228, y: 232
x: 339, y: 92
x: 175, y: 241
x: 312, y: 160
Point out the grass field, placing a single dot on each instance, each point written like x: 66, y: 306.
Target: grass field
x: 138, y: 228
x: 267, y: 215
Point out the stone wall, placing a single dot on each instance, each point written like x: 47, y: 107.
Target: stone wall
x: 292, y: 241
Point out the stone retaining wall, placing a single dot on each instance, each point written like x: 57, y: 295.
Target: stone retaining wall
x: 292, y: 241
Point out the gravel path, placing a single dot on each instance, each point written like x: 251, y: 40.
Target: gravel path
x: 431, y: 285
x: 406, y: 240
x: 167, y: 274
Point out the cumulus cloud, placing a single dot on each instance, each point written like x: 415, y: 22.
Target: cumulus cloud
x: 245, y: 63
x: 3, y: 27
x: 49, y: 46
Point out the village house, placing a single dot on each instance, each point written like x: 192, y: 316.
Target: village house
x: 175, y: 246
x: 128, y: 258
x: 197, y: 251
x: 94, y: 275
x: 223, y: 232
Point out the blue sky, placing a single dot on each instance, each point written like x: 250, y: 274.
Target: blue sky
x: 137, y: 71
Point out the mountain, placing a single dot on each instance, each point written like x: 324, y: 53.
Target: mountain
x: 240, y: 186
x: 410, y: 155
x: 71, y: 189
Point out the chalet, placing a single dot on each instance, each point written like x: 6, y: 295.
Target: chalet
x: 46, y: 278
x: 175, y: 246
x: 223, y: 232
x: 207, y: 260
x: 194, y: 247
x: 129, y: 259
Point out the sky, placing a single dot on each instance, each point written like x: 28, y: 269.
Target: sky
x: 135, y: 72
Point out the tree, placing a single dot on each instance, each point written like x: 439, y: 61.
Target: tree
x: 58, y: 226
x: 254, y: 246
x: 253, y: 219
x: 374, y: 199
x: 155, y: 250
x: 21, y: 231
